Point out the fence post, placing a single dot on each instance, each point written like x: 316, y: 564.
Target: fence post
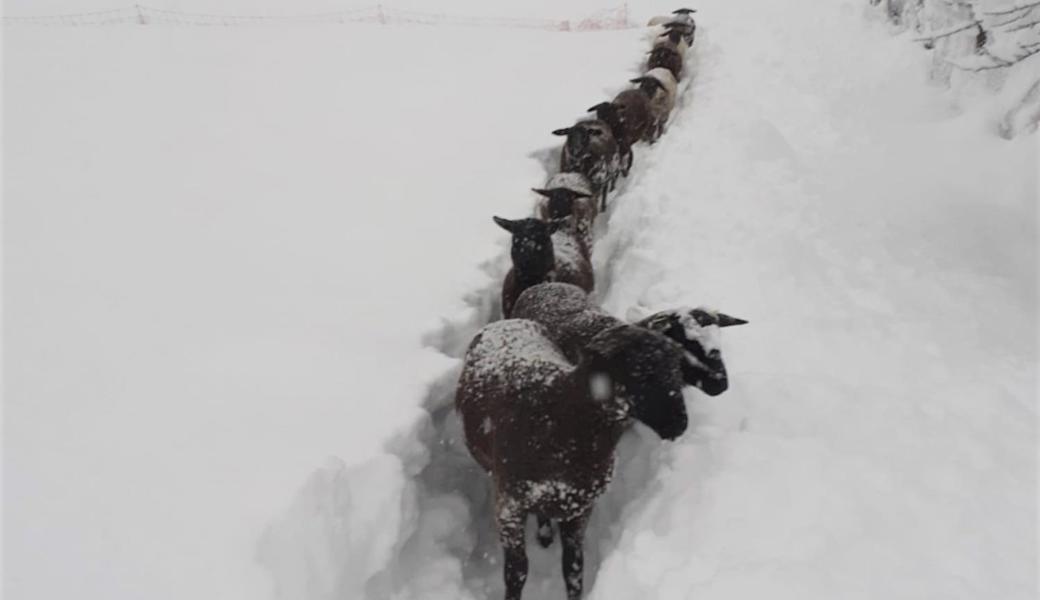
x: 381, y: 16
x: 140, y: 15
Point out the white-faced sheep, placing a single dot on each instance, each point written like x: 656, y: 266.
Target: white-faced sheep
x: 567, y: 312
x: 546, y: 428
x: 592, y: 150
x: 543, y: 251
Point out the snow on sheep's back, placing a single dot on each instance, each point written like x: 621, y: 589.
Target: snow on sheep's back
x: 222, y: 251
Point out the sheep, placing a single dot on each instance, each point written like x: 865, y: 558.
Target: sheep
x: 567, y: 312
x: 686, y: 26
x: 543, y: 251
x: 592, y: 150
x: 673, y: 38
x: 668, y: 58
x: 563, y: 202
x: 628, y: 115
x: 572, y: 181
x: 546, y: 428
x: 661, y: 102
x: 680, y: 14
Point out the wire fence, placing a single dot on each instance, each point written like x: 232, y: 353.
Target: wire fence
x: 139, y: 14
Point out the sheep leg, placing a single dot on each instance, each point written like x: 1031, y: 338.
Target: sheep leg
x: 572, y: 535
x: 545, y: 531
x: 511, y: 534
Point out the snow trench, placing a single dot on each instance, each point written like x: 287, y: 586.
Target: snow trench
x: 416, y: 522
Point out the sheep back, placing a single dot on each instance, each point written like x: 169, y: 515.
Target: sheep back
x: 508, y: 362
x: 573, y: 264
x: 667, y: 58
x: 634, y: 109
x: 567, y: 313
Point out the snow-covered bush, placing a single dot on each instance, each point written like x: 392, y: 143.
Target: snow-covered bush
x: 980, y: 47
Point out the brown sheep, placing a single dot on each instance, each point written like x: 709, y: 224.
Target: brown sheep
x: 592, y: 150
x: 562, y: 202
x: 629, y: 117
x: 661, y: 103
x: 543, y: 251
x: 668, y: 58
x: 546, y: 428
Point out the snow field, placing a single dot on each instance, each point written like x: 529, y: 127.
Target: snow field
x: 184, y: 348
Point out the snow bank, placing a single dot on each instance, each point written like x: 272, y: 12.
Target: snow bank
x: 210, y: 261
x: 215, y: 319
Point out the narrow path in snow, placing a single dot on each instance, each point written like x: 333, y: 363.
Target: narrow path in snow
x: 453, y: 495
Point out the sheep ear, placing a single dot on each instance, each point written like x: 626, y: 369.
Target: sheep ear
x: 564, y: 131
x: 505, y: 224
x: 599, y: 106
x: 546, y: 193
x: 725, y: 320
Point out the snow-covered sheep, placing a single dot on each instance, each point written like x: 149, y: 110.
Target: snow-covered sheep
x: 668, y: 58
x: 572, y: 181
x: 628, y: 116
x: 563, y: 202
x: 661, y: 102
x: 673, y: 38
x: 543, y: 251
x: 571, y: 317
x: 687, y: 28
x: 679, y: 14
x: 545, y: 428
x: 592, y: 150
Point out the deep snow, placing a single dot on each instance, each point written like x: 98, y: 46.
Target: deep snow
x: 224, y: 252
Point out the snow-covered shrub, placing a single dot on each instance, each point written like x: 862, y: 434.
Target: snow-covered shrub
x: 980, y: 47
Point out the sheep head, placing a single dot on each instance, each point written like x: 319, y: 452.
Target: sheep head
x: 532, y: 248
x: 649, y: 85
x: 642, y: 369
x: 561, y: 201
x: 697, y: 330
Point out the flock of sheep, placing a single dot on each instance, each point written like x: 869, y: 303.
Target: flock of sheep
x: 546, y: 393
